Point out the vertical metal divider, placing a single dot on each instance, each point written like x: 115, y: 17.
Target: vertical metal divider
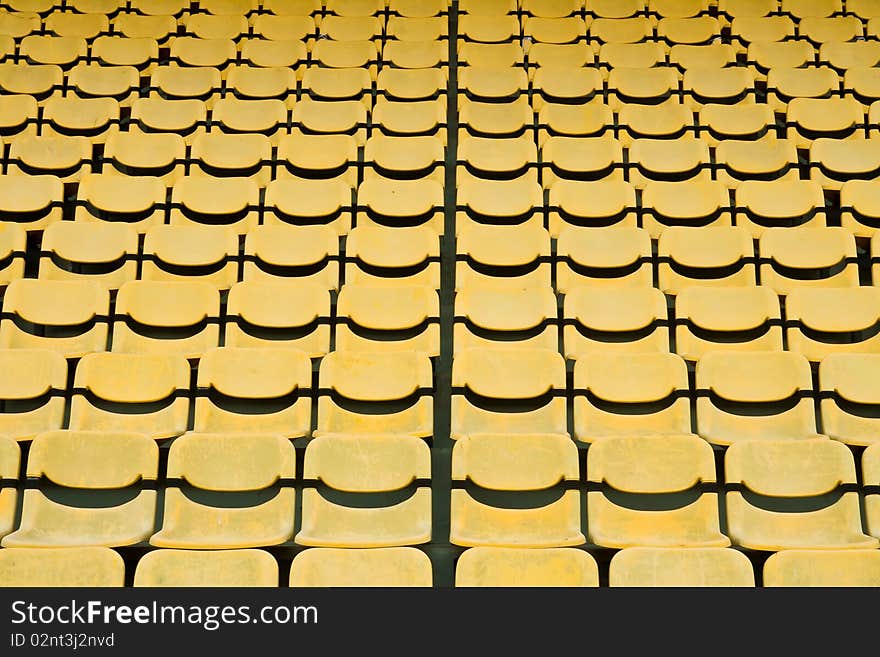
x: 441, y: 552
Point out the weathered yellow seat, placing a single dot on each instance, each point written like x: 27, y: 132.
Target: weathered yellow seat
x: 540, y: 567
x: 61, y: 567
x: 207, y: 568
x: 361, y: 568
x: 680, y: 567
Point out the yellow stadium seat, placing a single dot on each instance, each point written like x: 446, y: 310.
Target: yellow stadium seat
x: 361, y: 568
x: 488, y: 29
x: 186, y: 82
x: 666, y: 567
x: 290, y: 53
x: 583, y: 160
x: 133, y: 201
x: 503, y: 256
x: 754, y: 396
x: 254, y: 390
x: 714, y: 56
x: 823, y: 568
x: 88, y: 461
x: 415, y: 54
x: 186, y: 118
x: 646, y: 54
x: 518, y: 317
x: 13, y: 242
x: 716, y: 256
x: 668, y: 120
x: 492, y: 83
x: 787, y: 84
x: 524, y: 464
x: 312, y: 157
x: 330, y: 84
x: 684, y: 159
x: 38, y: 80
x: 283, y: 28
x: 354, y: 7
x: 485, y: 157
x: 844, y: 55
x: 490, y: 55
x: 247, y: 567
x: 375, y: 464
x: 764, y: 56
x: 140, y: 26
x: 763, y: 164
x: 425, y: 27
x: 19, y: 24
x: 121, y: 83
x: 69, y: 24
x: 586, y: 203
x: 371, y: 319
x: 279, y: 314
x: 10, y: 462
x: 61, y: 567
x: 519, y: 567
x: 778, y: 470
x: 267, y: 116
x: 694, y: 31
x: 68, y: 317
x: 643, y: 85
x: 159, y: 7
x: 699, y: 205
x: 18, y: 114
x: 398, y: 84
x: 848, y: 389
x: 331, y: 117
x: 229, y: 203
x: 783, y: 204
x: 859, y: 208
x: 725, y: 86
x: 658, y: 467
x: 571, y: 58
x: 346, y: 54
x: 749, y: 29
x: 375, y: 393
x: 838, y: 162
x: 418, y: 8
x: 616, y: 256
x: 304, y: 254
x: 66, y: 157
x: 412, y: 259
x: 614, y: 319
x: 632, y: 29
x: 729, y: 318
x: 495, y: 119
x: 210, y: 26
x: 139, y: 393
x: 115, y: 51
x: 630, y: 393
x: 400, y: 203
x: 220, y: 155
x: 808, y: 257
x: 542, y: 29
x: 736, y: 122
x: 510, y: 390
x: 499, y: 203
x: 166, y: 317
x: 259, y: 83
x: 404, y: 158
x: 227, y: 463
x: 810, y: 119
x: 748, y: 8
x: 203, y: 53
x: 54, y: 50
x: 824, y: 321
x: 31, y: 393
x: 102, y: 252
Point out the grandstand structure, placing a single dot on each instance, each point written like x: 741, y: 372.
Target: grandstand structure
x: 426, y: 293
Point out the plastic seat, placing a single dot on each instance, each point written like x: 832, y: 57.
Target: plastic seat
x: 860, y: 206
x: 764, y: 56
x: 109, y: 198
x: 427, y: 26
x: 233, y: 116
x: 66, y: 157
x: 587, y: 203
x: 166, y: 317
x: 101, y: 252
x: 228, y: 463
x: 555, y: 30
x: 394, y: 389
x: 762, y: 205
x: 492, y: 83
x: 495, y: 119
x: 354, y: 7
x: 615, y: 8
x: 646, y: 54
x: 728, y: 318
x: 508, y: 390
x: 699, y: 30
x: 190, y: 253
x: 87, y: 462
x: 826, y: 321
x: 411, y: 84
x: 314, y: 156
x: 221, y: 155
x: 405, y: 158
x: 347, y: 117
x: 523, y: 465
x: 504, y: 257
x: 301, y: 254
x: 425, y: 117
x: 762, y: 165
x: 693, y: 57
x: 38, y: 80
x: 13, y: 243
x: 214, y: 53
x: 393, y: 257
x: 777, y: 471
x: 517, y: 317
x: 371, y: 319
x: 519, y: 567
x: 614, y: 320
x: 229, y: 203
x: 55, y: 50
x: 116, y: 392
x: 754, y: 395
x: 418, y: 8
x: 415, y: 54
x: 648, y: 86
x: 376, y: 464
x: 864, y: 9
x: 158, y: 7
x: 736, y: 122
x: 206, y: 568
x: 33, y: 202
x: 74, y: 567
x: 747, y: 8
x: 186, y: 118
x: 835, y: 162
x: 666, y: 121
x: 19, y: 114
x: 283, y: 28
x: 490, y: 55
x: 122, y: 83
x: 810, y: 119
x: 582, y: 159
x: 32, y: 394
x: 716, y: 256
x: 725, y: 86
x: 698, y: 204
x: 488, y: 29
x: 845, y: 55
x: 278, y: 314
x: 139, y: 26
x: 254, y: 390
x: 824, y: 30
x: 631, y: 29
x: 210, y: 26
x: 114, y: 51
x: 19, y: 24
x: 808, y: 257
x: 658, y: 467
x: 362, y: 54
x: 400, y: 203
x: 688, y: 567
x: 260, y: 83
x: 847, y: 383
x: 750, y: 29
x: 488, y: 7
x: 572, y: 57
x: 593, y: 119
x: 823, y: 568
x: 309, y: 202
x: 485, y: 157
x: 83, y: 26
x: 157, y: 156
x: 186, y: 82
x: 68, y: 317
x: 630, y: 393
x: 330, y: 84
x: 684, y: 159
x: 290, y: 53
x: 377, y: 567
x: 786, y: 84
x: 498, y: 203
x: 617, y: 256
